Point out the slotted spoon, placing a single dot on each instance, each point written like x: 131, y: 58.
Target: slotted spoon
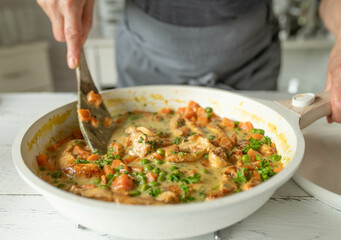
x: 96, y: 137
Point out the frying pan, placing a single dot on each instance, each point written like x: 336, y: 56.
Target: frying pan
x: 173, y: 221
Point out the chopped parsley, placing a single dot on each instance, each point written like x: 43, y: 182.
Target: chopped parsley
x: 240, y: 176
x: 77, y: 161
x: 57, y: 174
x: 266, y: 140
x: 177, y: 140
x: 265, y: 170
x: 194, y: 179
x: 141, y: 140
x: 254, y: 144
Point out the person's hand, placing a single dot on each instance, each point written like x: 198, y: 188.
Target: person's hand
x: 329, y: 11
x: 334, y: 82
x: 71, y: 22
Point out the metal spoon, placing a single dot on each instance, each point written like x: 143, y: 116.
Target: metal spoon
x: 96, y: 137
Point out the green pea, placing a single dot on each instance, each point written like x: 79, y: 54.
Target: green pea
x: 181, y: 154
x: 148, y: 168
x: 134, y: 193
x: 96, y: 181
x: 176, y: 171
x: 211, y: 137
x: 163, y: 173
x: 156, y: 170
x: 158, y: 162
x: 172, y: 168
x: 143, y: 187
x: 144, y: 161
x: 275, y: 158
x: 209, y: 114
x: 161, y: 178
x: 153, y: 184
x: 259, y: 131
x: 246, y: 158
x: 61, y: 185
x: 208, y: 109
x: 160, y: 151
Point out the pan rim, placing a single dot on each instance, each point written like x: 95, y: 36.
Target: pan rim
x: 49, y: 190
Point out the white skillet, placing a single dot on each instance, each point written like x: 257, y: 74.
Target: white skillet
x: 174, y: 221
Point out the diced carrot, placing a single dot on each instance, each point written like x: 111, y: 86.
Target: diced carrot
x: 116, y: 163
x: 104, y: 179
x: 120, y: 119
x: 202, y: 117
x: 247, y: 126
x: 77, y: 134
x: 174, y: 189
x: 93, y: 157
x: 255, y: 176
x: 107, y: 121
x: 84, y: 114
x: 117, y: 148
x: 273, y: 146
x: 107, y: 170
x: 228, y: 123
x: 122, y: 183
x: 151, y: 176
x: 181, y: 110
x: 191, y: 110
x: 137, y: 111
x: 80, y: 152
x: 278, y: 169
x: 193, y: 119
x: 126, y: 168
x: 193, y: 106
x: 137, y: 169
x: 252, y: 153
x: 185, y: 130
x: 166, y: 110
x: 157, y: 156
x: 130, y: 159
x: 256, y: 136
x: 42, y: 159
x: 94, y: 121
x: 92, y: 97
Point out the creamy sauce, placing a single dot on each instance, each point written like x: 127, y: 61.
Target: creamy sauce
x: 164, y: 157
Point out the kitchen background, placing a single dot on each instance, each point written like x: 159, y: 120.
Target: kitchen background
x: 31, y: 60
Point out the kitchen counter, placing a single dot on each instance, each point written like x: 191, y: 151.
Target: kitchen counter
x: 290, y: 213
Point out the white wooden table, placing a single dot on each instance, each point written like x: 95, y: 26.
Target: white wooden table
x: 24, y: 214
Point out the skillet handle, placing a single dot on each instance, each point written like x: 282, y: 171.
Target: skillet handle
x: 319, y: 108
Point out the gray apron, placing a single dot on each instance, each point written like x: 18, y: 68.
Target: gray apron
x: 243, y: 53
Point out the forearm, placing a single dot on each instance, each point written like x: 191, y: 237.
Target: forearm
x: 330, y: 13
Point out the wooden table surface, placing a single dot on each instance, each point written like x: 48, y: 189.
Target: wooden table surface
x: 290, y: 213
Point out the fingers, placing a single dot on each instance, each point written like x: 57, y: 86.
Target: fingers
x: 71, y: 22
x: 51, y: 8
x: 87, y: 18
x: 73, y: 33
x: 336, y: 99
